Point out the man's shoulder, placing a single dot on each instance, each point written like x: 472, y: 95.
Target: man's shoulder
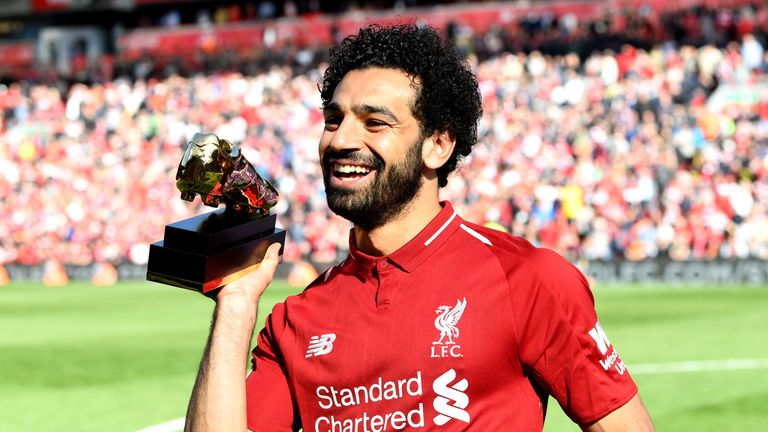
x: 505, y: 244
x: 518, y: 255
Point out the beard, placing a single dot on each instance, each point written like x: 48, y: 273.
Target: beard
x: 389, y: 194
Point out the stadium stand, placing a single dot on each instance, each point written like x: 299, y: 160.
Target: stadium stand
x: 631, y: 138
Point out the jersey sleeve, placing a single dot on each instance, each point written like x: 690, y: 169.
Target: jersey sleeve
x: 270, y: 406
x: 561, y: 342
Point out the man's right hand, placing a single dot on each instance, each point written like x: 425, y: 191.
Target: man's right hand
x: 250, y: 287
x: 218, y: 399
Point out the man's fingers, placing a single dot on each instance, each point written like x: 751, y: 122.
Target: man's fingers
x: 269, y: 263
x: 255, y: 281
x: 272, y: 255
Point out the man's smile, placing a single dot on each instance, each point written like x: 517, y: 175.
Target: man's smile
x: 350, y: 172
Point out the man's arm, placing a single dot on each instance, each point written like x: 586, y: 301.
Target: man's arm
x: 218, y: 398
x: 630, y: 417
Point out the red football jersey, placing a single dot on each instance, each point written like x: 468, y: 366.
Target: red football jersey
x: 463, y: 328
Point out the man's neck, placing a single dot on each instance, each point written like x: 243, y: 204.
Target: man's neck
x: 394, y: 234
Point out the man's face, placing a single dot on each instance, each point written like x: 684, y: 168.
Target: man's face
x: 370, y: 151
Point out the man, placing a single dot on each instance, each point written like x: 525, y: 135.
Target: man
x: 431, y: 322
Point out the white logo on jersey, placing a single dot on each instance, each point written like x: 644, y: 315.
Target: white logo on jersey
x: 601, y: 340
x: 446, y: 321
x: 447, y: 394
x: 320, y: 345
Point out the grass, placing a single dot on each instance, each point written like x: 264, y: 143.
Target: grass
x: 83, y: 358
x: 674, y: 324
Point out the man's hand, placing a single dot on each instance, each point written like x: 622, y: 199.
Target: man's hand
x: 250, y: 287
x: 218, y: 399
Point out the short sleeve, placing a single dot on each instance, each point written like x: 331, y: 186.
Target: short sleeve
x: 561, y: 342
x: 270, y: 406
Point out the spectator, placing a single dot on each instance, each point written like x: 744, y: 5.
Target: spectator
x: 602, y: 156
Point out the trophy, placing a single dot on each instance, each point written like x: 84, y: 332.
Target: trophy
x: 210, y: 250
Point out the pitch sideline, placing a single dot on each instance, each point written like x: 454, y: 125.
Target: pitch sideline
x: 637, y: 369
x: 169, y: 426
x: 698, y: 366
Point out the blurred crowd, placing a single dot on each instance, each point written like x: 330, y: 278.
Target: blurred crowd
x: 234, y: 11
x: 629, y: 153
x: 706, y: 23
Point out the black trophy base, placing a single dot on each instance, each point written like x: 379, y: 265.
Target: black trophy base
x: 208, y: 251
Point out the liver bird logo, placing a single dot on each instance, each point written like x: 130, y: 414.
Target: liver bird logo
x: 446, y: 321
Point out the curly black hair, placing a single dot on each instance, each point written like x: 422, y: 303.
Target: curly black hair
x: 448, y: 98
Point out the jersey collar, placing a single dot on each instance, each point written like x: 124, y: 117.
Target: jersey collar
x: 413, y: 253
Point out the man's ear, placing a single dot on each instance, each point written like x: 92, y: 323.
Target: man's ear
x: 437, y: 149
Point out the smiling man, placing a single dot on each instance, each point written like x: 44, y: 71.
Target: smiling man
x: 431, y: 322
x: 362, y: 186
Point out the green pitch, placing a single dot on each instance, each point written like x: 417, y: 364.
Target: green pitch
x: 122, y: 358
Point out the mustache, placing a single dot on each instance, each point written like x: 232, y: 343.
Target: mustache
x: 355, y: 156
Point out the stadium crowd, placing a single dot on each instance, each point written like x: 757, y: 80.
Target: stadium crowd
x: 616, y: 154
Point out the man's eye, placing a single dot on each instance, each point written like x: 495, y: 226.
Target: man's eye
x: 332, y: 123
x: 374, y: 123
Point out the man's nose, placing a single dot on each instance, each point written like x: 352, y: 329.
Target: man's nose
x: 346, y: 136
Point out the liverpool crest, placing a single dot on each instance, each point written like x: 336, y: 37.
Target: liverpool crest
x: 446, y: 321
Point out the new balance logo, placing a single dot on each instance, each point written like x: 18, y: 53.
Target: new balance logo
x: 320, y: 345
x: 451, y: 399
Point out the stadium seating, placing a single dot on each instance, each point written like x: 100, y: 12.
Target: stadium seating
x: 615, y: 150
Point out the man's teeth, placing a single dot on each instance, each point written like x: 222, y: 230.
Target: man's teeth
x: 350, y: 169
